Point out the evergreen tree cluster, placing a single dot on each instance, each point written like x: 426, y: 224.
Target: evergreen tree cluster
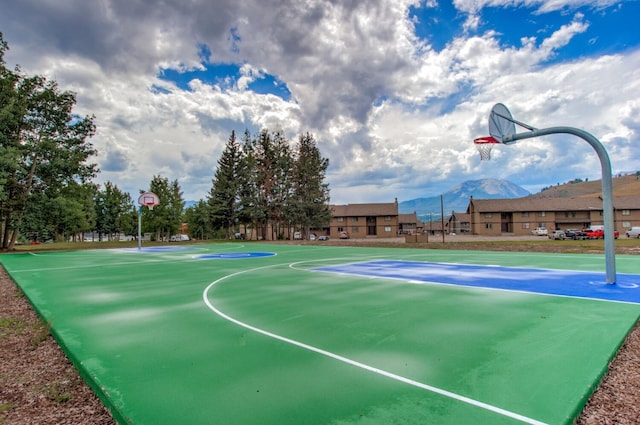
x: 266, y: 185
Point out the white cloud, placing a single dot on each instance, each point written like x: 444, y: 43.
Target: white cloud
x: 395, y: 117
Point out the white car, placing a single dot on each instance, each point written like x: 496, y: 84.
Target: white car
x: 633, y: 232
x: 540, y: 231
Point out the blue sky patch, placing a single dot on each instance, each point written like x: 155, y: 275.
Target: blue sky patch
x: 226, y: 77
x: 437, y: 25
x: 441, y: 24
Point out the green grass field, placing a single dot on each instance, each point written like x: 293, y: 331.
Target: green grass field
x: 217, y: 334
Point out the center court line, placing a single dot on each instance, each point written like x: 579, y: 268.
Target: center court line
x: 346, y: 360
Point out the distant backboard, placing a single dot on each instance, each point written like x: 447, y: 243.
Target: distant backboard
x: 501, y: 122
x: 148, y: 199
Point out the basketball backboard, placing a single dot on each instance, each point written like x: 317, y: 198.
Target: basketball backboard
x: 501, y: 123
x: 148, y: 199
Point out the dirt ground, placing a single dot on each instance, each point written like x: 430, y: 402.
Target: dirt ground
x: 39, y: 385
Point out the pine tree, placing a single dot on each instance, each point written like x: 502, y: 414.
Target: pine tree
x: 248, y: 210
x: 223, y: 199
x: 310, y: 201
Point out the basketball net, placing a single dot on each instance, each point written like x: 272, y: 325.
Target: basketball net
x: 484, y: 146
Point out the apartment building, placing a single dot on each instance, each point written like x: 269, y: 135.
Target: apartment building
x: 521, y: 215
x: 376, y: 220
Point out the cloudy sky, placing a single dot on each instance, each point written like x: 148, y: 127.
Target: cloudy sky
x: 394, y: 91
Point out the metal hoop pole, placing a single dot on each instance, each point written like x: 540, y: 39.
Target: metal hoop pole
x: 607, y: 186
x: 139, y: 227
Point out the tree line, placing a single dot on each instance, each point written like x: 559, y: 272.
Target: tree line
x: 266, y: 185
x: 262, y: 183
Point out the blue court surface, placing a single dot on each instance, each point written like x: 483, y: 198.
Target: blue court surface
x: 568, y: 283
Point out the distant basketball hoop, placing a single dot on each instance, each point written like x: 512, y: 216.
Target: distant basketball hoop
x: 148, y: 199
x: 484, y: 146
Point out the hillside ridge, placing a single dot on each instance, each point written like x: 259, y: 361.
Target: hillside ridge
x: 627, y: 185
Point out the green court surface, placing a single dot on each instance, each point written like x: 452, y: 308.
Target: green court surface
x: 311, y: 334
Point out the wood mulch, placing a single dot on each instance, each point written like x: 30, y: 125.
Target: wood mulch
x: 39, y: 385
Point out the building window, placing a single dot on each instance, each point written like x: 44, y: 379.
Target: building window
x: 488, y: 215
x: 354, y: 229
x: 626, y: 224
x: 526, y: 225
x: 542, y: 213
x: 387, y: 229
x: 488, y: 226
x: 340, y: 218
x: 626, y: 212
x: 340, y: 229
x: 387, y: 218
x: 525, y: 214
x: 354, y: 219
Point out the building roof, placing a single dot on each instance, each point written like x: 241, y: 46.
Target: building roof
x: 537, y: 204
x: 361, y: 210
x: 408, y: 218
x: 433, y: 225
x: 626, y: 202
x: 462, y: 217
x: 553, y: 204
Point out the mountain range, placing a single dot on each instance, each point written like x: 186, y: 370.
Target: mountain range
x: 457, y: 199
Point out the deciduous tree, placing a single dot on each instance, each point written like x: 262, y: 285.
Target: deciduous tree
x: 165, y: 219
x: 44, y: 145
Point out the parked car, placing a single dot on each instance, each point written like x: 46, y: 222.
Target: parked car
x: 575, y: 234
x: 344, y: 235
x: 598, y: 233
x: 323, y: 238
x: 594, y: 233
x: 557, y: 235
x: 178, y: 238
x: 297, y: 236
x: 540, y: 231
x: 312, y: 237
x: 633, y: 232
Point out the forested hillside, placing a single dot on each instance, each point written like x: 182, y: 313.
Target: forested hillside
x: 626, y: 185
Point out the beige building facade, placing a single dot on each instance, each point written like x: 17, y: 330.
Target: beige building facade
x: 377, y: 220
x: 521, y: 215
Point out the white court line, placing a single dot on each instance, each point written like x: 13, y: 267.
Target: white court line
x: 346, y: 360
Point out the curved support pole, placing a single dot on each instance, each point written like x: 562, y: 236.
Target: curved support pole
x: 607, y: 187
x: 139, y: 227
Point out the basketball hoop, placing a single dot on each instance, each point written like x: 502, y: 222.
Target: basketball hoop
x: 484, y: 146
x: 148, y: 199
